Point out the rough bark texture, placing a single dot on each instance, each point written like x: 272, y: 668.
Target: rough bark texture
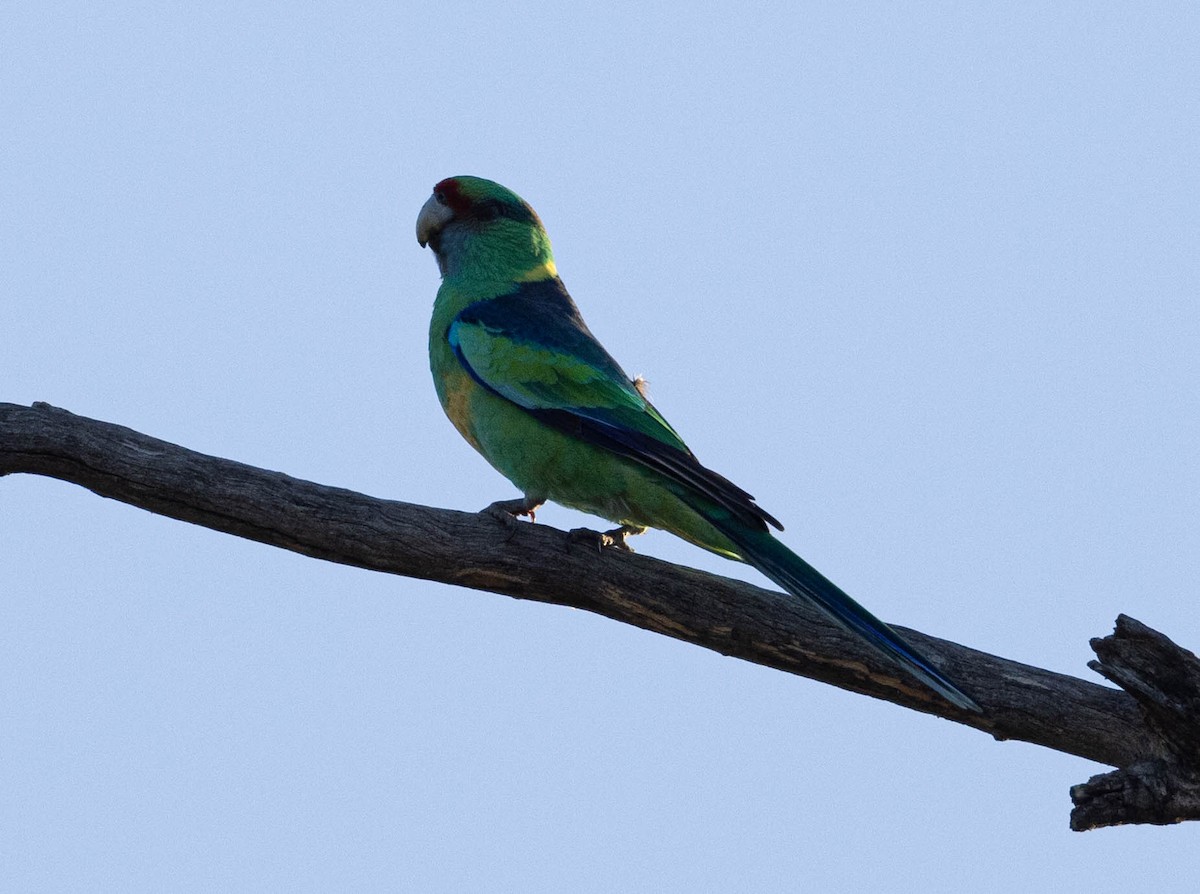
x: 1165, y: 681
x: 1155, y: 728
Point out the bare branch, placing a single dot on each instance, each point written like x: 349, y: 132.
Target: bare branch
x: 1165, y: 681
x: 543, y: 564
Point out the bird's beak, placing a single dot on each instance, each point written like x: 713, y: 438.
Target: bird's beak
x: 434, y: 215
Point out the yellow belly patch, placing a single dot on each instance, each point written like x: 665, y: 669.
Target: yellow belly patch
x: 458, y: 407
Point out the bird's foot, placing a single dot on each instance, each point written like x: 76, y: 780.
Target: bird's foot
x: 508, y: 511
x: 617, y: 538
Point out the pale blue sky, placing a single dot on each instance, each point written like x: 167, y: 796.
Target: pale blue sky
x: 921, y: 277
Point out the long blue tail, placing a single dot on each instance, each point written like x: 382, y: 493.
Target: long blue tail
x: 791, y: 572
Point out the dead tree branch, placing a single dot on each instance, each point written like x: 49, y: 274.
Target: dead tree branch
x: 1150, y: 735
x: 1164, y: 679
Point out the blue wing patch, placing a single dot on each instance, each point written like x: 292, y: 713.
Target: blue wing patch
x: 533, y: 348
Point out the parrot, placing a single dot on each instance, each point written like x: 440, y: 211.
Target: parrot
x: 524, y: 381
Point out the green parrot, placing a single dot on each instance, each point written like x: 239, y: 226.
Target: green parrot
x: 530, y: 388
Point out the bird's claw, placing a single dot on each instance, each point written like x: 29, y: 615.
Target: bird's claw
x: 588, y: 537
x: 508, y: 511
x: 617, y: 538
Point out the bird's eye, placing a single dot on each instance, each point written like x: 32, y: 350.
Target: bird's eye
x: 439, y: 196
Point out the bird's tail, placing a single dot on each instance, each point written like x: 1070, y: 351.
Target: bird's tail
x: 791, y: 572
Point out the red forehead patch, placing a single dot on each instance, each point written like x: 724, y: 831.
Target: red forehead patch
x: 451, y: 194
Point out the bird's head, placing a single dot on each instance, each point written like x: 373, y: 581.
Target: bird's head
x: 479, y: 228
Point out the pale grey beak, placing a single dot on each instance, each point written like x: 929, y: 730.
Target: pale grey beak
x: 434, y: 215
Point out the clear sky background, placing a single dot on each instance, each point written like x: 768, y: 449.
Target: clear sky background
x: 922, y: 277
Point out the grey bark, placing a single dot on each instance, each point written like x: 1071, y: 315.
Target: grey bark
x: 1151, y: 735
x: 1164, y: 679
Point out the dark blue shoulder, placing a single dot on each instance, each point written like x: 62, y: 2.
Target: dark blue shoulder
x: 542, y: 313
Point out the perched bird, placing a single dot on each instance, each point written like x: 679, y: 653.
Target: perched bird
x: 526, y: 383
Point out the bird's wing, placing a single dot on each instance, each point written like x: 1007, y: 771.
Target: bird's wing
x: 532, y: 348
